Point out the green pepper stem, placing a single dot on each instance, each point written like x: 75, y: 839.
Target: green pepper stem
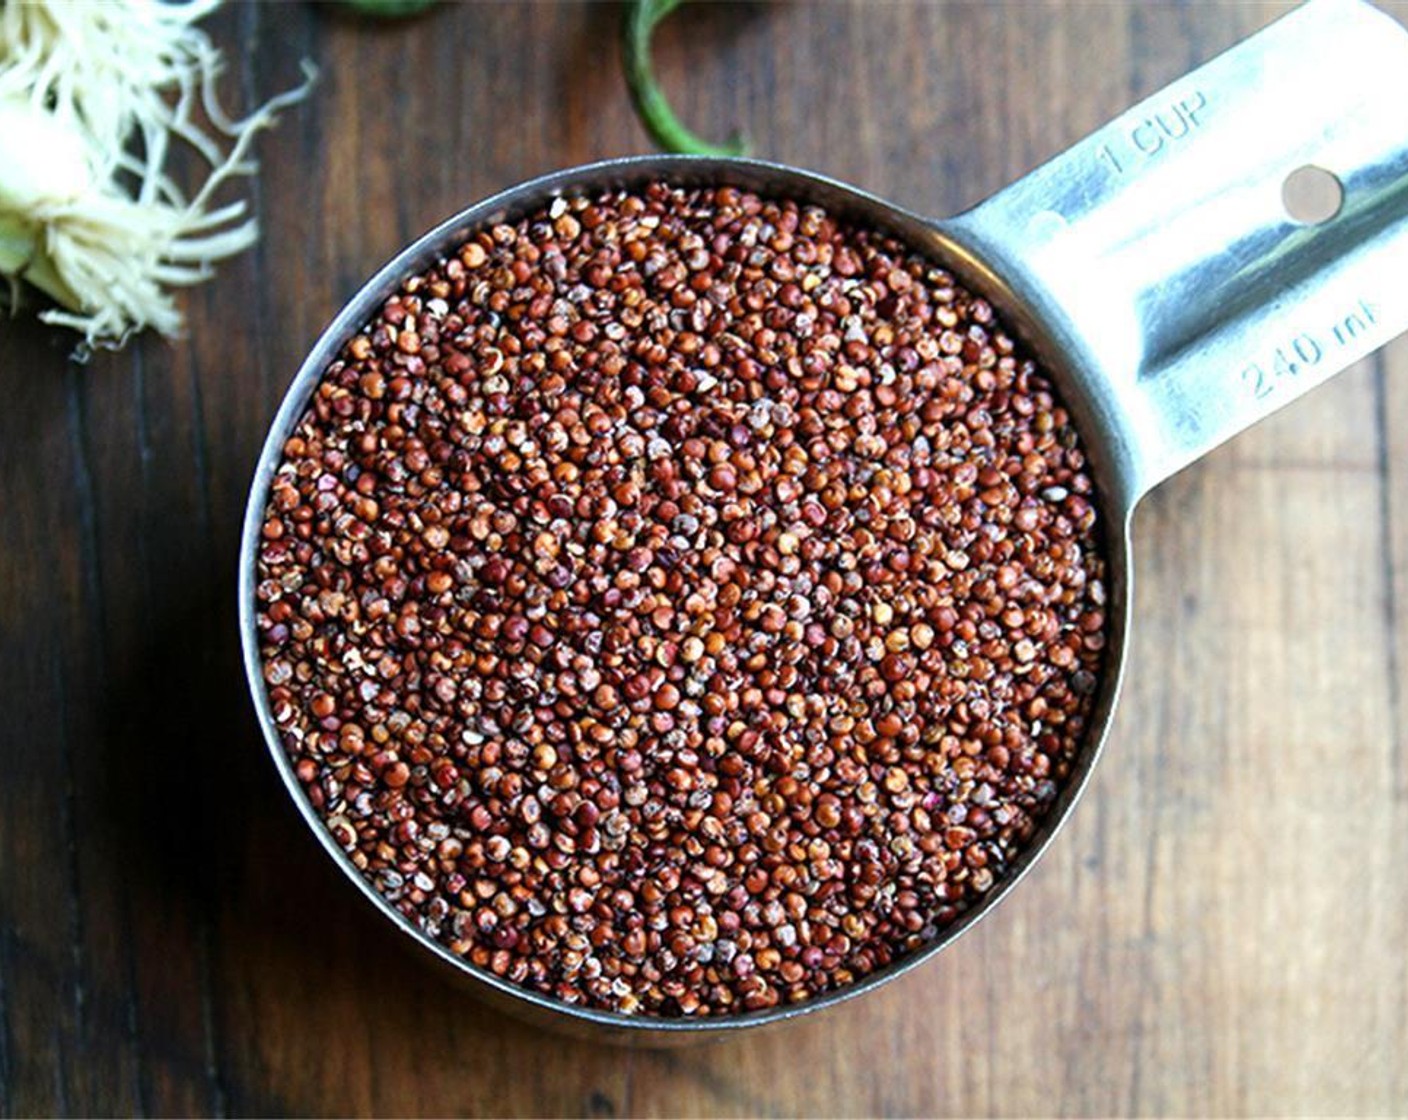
x: 389, y: 9
x: 653, y: 108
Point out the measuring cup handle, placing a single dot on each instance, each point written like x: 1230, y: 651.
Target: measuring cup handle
x: 1160, y: 256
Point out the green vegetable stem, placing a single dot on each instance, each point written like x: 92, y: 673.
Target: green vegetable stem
x: 388, y: 9
x: 666, y: 129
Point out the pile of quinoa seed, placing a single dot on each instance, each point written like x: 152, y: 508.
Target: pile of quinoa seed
x: 682, y: 602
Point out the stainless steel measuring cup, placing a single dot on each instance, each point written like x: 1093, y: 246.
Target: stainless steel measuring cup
x: 1153, y: 267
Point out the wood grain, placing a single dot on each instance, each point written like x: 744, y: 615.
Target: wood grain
x: 1219, y: 931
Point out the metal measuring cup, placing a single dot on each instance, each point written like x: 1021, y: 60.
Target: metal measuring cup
x: 1153, y: 268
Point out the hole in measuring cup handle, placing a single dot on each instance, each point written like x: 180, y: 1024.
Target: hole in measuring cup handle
x: 1312, y: 195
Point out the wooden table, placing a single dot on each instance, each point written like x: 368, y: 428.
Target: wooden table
x: 1223, y: 928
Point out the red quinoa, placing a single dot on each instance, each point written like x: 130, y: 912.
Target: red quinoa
x: 682, y: 602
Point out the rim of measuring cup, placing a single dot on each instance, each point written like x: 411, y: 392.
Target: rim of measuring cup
x: 924, y: 236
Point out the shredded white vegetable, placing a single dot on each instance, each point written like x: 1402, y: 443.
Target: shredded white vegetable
x: 93, y: 98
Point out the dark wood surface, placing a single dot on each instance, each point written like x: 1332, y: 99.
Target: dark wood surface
x: 1221, y: 929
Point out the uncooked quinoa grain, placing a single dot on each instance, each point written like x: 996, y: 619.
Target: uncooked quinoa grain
x: 682, y: 602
